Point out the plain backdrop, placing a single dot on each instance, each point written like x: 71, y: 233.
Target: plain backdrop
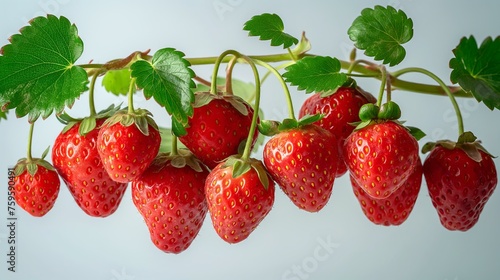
x: 336, y: 243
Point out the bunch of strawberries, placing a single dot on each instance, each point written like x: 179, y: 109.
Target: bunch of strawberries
x: 174, y: 192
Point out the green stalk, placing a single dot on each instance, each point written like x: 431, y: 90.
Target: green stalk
x: 359, y: 69
x: 229, y: 75
x: 91, y: 95
x: 175, y: 150
x: 288, y: 96
x: 383, y: 79
x: 29, y: 157
x: 253, y: 126
x: 445, y: 88
x: 222, y: 57
x: 131, y: 109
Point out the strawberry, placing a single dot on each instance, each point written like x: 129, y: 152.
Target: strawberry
x: 127, y: 144
x: 170, y: 197
x: 394, y: 209
x: 340, y: 109
x: 460, y: 177
x: 238, y: 203
x: 220, y: 123
x: 36, y: 186
x: 381, y: 156
x: 303, y: 162
x: 75, y: 157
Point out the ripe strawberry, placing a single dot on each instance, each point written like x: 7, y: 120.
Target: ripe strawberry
x: 36, y: 186
x: 381, y: 157
x: 303, y: 162
x: 171, y: 200
x: 459, y: 185
x: 339, y: 110
x: 127, y: 144
x: 77, y: 161
x: 394, y: 209
x: 238, y: 205
x: 220, y: 123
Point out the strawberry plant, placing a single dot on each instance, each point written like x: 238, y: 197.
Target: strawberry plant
x: 234, y: 154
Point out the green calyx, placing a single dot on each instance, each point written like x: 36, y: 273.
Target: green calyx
x: 368, y: 111
x: 87, y: 124
x: 241, y: 166
x: 203, y: 98
x: 31, y: 164
x: 467, y: 141
x: 180, y: 159
x: 141, y: 118
x: 271, y: 127
x: 389, y: 111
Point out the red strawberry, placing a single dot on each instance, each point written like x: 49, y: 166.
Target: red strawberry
x: 381, y: 157
x: 303, y: 162
x: 394, y: 209
x: 77, y: 161
x: 220, y: 123
x: 171, y: 200
x: 127, y: 144
x: 238, y: 205
x: 459, y: 185
x: 36, y: 186
x: 339, y: 110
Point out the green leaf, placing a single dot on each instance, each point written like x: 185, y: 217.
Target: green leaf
x: 416, y: 132
x: 3, y: 115
x: 117, y: 81
x: 270, y: 27
x: 178, y: 129
x: 477, y: 70
x: 315, y: 74
x: 309, y: 119
x: 37, y: 71
x: 168, y: 79
x: 381, y: 32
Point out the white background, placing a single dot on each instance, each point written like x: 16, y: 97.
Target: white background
x: 289, y: 243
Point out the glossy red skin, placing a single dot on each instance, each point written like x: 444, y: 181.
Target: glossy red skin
x: 339, y: 111
x: 303, y: 162
x: 459, y: 187
x: 77, y: 161
x: 397, y: 207
x: 381, y: 157
x: 216, y: 130
x: 37, y: 194
x: 237, y: 205
x: 126, y: 152
x: 172, y: 202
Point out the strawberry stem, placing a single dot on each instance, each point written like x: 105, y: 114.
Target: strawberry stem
x: 131, y: 109
x: 174, y: 151
x: 383, y: 81
x: 288, y: 96
x: 253, y: 126
x: 220, y: 59
x: 91, y: 95
x: 361, y: 71
x: 445, y: 88
x: 229, y: 75
x: 29, y: 157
